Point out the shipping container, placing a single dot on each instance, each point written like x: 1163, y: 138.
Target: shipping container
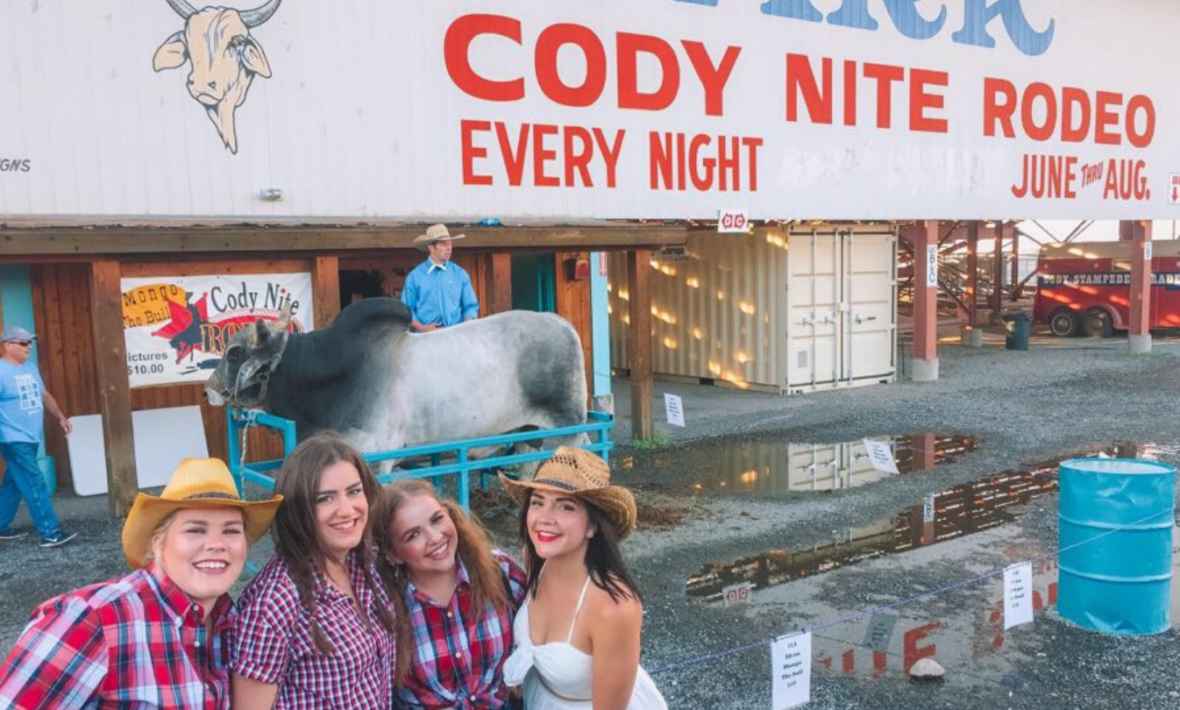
x: 793, y: 310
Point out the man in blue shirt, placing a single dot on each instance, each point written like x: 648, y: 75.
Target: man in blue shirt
x: 23, y: 400
x: 438, y: 291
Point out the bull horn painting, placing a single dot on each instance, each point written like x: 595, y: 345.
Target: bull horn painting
x: 223, y: 58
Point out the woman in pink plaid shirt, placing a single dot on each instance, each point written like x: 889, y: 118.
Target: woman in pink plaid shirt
x: 456, y: 598
x: 316, y: 630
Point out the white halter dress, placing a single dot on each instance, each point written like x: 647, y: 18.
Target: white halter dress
x: 557, y: 676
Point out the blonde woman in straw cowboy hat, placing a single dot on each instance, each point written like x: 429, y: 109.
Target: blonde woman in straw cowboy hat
x: 161, y: 636
x: 438, y: 291
x: 577, y: 634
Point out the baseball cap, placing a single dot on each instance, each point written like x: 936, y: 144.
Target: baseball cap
x: 15, y: 332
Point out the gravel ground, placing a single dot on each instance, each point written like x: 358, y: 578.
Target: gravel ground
x: 1022, y: 407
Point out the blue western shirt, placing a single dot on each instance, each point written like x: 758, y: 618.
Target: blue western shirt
x: 440, y: 294
x: 22, y: 419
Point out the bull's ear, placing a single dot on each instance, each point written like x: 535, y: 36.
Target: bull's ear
x: 255, y: 60
x: 171, y: 54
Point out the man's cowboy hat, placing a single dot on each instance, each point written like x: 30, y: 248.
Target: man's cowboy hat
x: 584, y: 475
x: 434, y: 233
x: 196, y: 483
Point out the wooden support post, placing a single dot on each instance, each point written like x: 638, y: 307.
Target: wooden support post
x: 998, y: 273
x: 639, y: 311
x: 1015, y: 282
x: 325, y: 289
x: 498, y: 277
x: 1139, y: 329
x: 114, y: 391
x: 925, y: 303
x: 973, y: 337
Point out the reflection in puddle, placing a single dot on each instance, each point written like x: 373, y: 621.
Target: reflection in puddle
x: 953, y: 513
x: 962, y: 628
x: 777, y: 467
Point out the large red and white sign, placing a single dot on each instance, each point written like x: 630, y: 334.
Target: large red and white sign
x: 815, y: 109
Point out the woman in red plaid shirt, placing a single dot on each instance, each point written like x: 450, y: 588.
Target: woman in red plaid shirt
x: 456, y: 598
x: 316, y: 629
x: 159, y: 637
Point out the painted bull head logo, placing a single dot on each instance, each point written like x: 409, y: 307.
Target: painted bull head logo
x: 224, y: 58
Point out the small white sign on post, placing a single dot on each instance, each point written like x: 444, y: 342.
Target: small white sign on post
x: 928, y: 509
x: 1018, y: 602
x: 881, y: 456
x: 1148, y: 251
x: 674, y: 407
x: 932, y: 266
x: 733, y: 222
x: 790, y: 668
x: 740, y: 593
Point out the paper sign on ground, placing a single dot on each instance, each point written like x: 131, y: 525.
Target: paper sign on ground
x: 162, y: 437
x: 674, y: 407
x: 1018, y: 602
x: 790, y: 668
x: 881, y: 456
x: 738, y: 593
x: 880, y: 632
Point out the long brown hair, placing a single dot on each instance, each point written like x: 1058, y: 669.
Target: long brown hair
x: 294, y: 530
x: 603, y: 558
x: 474, y: 548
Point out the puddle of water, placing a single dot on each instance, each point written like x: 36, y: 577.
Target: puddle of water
x: 947, y: 515
x: 778, y: 467
x: 963, y: 630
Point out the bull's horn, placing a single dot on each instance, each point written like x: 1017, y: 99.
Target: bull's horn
x: 182, y: 8
x: 284, y: 319
x: 257, y: 16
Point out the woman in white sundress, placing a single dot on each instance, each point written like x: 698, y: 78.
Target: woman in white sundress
x: 577, y: 634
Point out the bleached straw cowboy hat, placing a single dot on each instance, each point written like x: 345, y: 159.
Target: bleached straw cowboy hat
x: 196, y: 483
x: 434, y: 233
x: 582, y: 474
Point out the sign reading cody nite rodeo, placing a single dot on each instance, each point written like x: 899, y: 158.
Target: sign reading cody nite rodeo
x: 177, y: 327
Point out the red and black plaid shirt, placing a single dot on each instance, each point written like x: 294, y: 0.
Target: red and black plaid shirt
x: 459, y: 652
x: 135, y: 642
x: 274, y: 642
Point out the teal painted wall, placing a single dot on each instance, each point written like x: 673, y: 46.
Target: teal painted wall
x: 16, y: 299
x: 599, y: 324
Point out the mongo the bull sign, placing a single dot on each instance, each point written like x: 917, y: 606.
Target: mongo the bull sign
x: 824, y: 109
x: 177, y: 328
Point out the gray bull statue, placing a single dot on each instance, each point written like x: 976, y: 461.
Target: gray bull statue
x: 369, y: 378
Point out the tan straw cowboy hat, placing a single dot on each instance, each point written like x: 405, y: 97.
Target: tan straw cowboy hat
x: 434, y: 233
x: 196, y: 483
x: 582, y: 474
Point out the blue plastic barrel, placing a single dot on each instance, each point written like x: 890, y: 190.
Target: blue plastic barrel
x: 1120, y: 583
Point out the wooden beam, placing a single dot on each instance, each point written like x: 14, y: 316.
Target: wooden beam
x: 1139, y: 234
x: 972, y: 295
x: 72, y: 242
x: 498, y: 275
x: 998, y: 273
x: 925, y: 295
x: 639, y: 311
x: 114, y: 392
x: 1015, y: 280
x: 325, y: 289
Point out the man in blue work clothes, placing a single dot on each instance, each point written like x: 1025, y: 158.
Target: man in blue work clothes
x: 438, y: 291
x: 23, y: 400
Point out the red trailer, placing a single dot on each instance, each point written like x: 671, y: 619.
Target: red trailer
x: 1085, y: 287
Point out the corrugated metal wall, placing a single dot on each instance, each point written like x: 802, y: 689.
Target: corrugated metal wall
x: 715, y: 312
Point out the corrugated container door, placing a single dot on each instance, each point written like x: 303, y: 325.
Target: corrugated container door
x: 871, y: 306
x: 813, y: 302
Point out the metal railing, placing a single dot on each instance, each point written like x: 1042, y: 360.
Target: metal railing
x: 434, y: 461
